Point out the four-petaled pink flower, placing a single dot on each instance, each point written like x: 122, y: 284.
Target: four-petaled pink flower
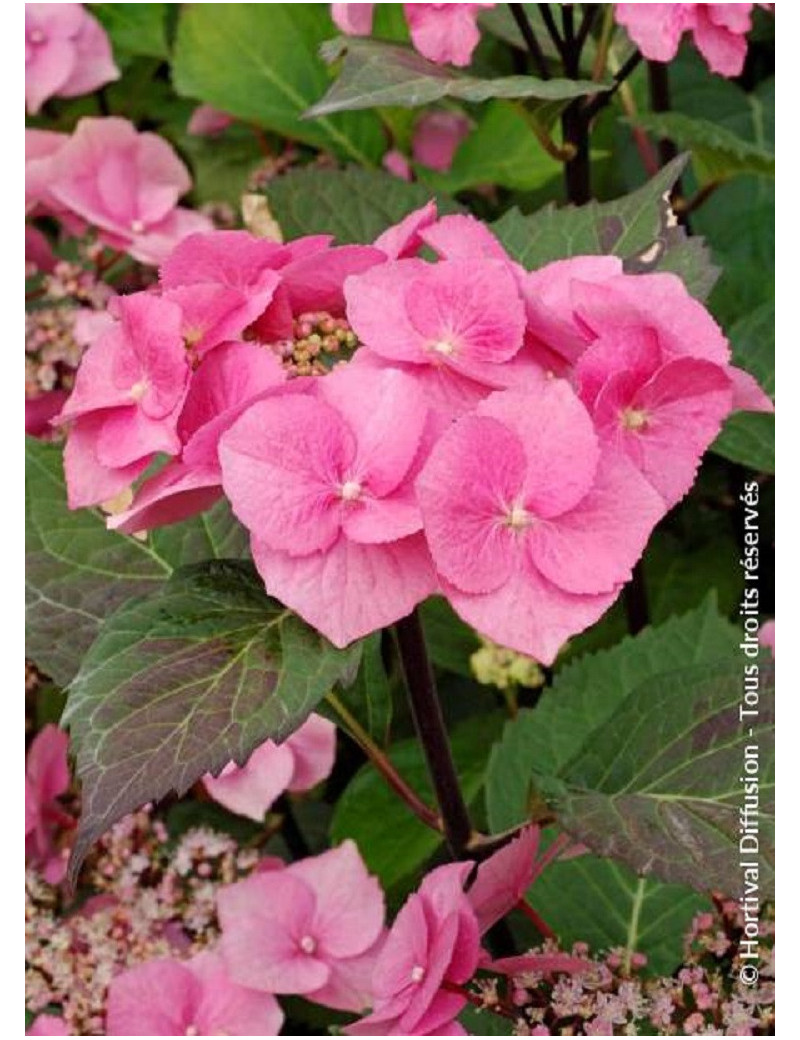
x: 312, y: 928
x: 67, y: 53
x: 126, y: 184
x: 188, y: 998
x: 444, y: 33
x: 532, y: 527
x: 298, y: 764
x: 127, y: 399
x: 47, y: 777
x: 324, y: 481
x: 719, y: 31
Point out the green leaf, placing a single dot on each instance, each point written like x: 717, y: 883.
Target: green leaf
x: 659, y: 786
x: 222, y: 166
x: 451, y: 642
x: 135, y: 28
x: 393, y: 842
x: 502, y: 150
x: 485, y: 1023
x: 260, y: 63
x: 78, y: 572
x: 637, y: 227
x: 717, y: 153
x: 595, y: 900
x: 369, y: 698
x: 678, y: 576
x: 353, y: 205
x: 749, y: 437
x: 374, y: 73
x: 584, y: 696
x: 182, y: 681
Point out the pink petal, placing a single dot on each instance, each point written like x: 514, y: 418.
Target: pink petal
x: 376, y: 309
x: 157, y: 998
x: 316, y: 282
x: 48, y: 1025
x: 283, y: 462
x: 251, y: 790
x: 404, y: 239
x: 350, y: 590
x: 41, y: 410
x: 207, y: 121
x: 725, y: 51
x: 559, y: 441
x: 46, y: 763
x: 462, y: 237
x: 747, y: 393
x: 264, y: 919
x: 593, y: 547
x: 213, y: 313
x: 94, y: 62
x: 175, y: 493
x: 437, y: 135
x: 444, y: 33
x: 228, y: 1009
x: 89, y: 482
x: 235, y: 259
x: 504, y: 878
x: 656, y: 29
x: 633, y: 352
x: 541, y: 963
x: 349, y: 901
x: 48, y: 69
x: 159, y: 240
x: 529, y: 614
x: 470, y: 483
x: 127, y: 435
x: 349, y: 987
x: 313, y: 747
x: 353, y: 19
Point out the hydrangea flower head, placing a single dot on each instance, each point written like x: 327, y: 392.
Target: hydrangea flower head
x: 313, y: 928
x: 197, y: 997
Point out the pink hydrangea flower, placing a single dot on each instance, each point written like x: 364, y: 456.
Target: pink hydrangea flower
x: 67, y: 53
x: 504, y: 878
x: 532, y: 528
x: 181, y: 998
x: 719, y: 31
x: 443, y: 33
x: 404, y: 239
x: 207, y: 121
x: 127, y: 399
x: 40, y: 148
x: 313, y: 928
x: 324, y: 481
x: 46, y: 777
x: 452, y: 326
x: 48, y: 1025
x: 127, y: 185
x: 298, y: 764
x: 434, y: 943
x: 437, y: 135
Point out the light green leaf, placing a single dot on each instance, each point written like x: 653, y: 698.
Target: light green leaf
x: 78, y: 572
x: 185, y: 680
x: 352, y: 205
x: 260, y: 63
x: 374, y: 73
x: 135, y: 28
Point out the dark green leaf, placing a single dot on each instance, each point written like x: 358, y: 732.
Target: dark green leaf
x: 585, y: 694
x: 260, y: 63
x: 748, y: 437
x: 451, y: 642
x: 185, y: 680
x: 678, y: 576
x: 718, y: 153
x: 393, y: 842
x: 369, y: 698
x: 484, y: 1023
x: 637, y: 227
x: 374, y: 73
x: 353, y: 205
x: 135, y: 28
x: 660, y: 788
x: 77, y: 572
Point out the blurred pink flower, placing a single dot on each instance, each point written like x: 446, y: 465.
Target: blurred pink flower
x: 719, y: 31
x: 48, y: 1025
x: 67, y: 53
x: 207, y: 121
x: 324, y: 484
x: 301, y: 762
x: 397, y: 164
x: 180, y: 998
x: 766, y: 636
x: 533, y: 530
x: 437, y: 135
x: 312, y: 928
x: 47, y: 777
x: 126, y: 184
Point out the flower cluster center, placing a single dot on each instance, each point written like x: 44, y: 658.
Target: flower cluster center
x: 318, y: 341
